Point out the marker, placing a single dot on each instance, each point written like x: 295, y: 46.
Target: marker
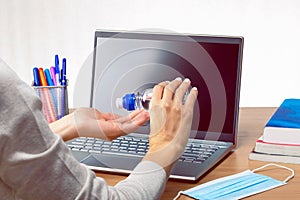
x: 63, y: 79
x: 50, y: 83
x: 52, y: 72
x: 48, y: 77
x: 55, y: 92
x: 49, y: 108
x: 43, y: 81
x: 36, y: 79
x: 57, y: 70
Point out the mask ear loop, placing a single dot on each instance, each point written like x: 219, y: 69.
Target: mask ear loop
x: 280, y: 166
x: 178, y: 195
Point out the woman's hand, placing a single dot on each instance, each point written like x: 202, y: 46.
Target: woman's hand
x: 170, y: 121
x: 89, y: 122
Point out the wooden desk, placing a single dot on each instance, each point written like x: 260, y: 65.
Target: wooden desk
x: 251, y: 123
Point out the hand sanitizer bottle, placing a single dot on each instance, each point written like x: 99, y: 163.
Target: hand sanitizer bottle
x: 134, y: 101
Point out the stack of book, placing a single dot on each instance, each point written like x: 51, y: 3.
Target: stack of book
x: 280, y: 141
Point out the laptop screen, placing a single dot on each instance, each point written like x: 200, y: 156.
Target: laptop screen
x: 126, y: 62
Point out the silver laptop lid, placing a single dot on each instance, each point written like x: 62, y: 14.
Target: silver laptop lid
x: 127, y: 62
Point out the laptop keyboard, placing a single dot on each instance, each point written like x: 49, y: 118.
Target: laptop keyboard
x: 195, y: 152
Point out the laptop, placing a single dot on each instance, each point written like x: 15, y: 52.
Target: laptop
x: 126, y: 62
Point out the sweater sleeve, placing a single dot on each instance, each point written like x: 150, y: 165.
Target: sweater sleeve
x: 36, y: 164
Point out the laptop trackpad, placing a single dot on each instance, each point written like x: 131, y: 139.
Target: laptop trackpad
x: 112, y: 161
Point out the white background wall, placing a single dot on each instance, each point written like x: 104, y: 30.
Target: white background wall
x: 33, y: 31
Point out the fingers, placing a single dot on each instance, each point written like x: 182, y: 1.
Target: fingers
x: 139, y: 118
x: 135, y: 122
x: 191, y: 99
x: 119, y: 118
x: 181, y: 91
x: 110, y: 116
x: 171, y: 88
x: 167, y: 90
x: 158, y: 91
x: 136, y: 113
x: 132, y: 121
x: 123, y: 119
x: 123, y: 125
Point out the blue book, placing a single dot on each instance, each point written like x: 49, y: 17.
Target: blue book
x: 284, y: 125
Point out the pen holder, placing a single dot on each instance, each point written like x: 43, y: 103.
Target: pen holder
x: 54, y: 100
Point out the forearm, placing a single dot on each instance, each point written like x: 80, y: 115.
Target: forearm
x: 147, y: 181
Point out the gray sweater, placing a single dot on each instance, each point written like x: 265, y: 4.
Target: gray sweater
x: 36, y: 164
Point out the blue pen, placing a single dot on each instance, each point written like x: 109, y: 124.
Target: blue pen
x: 36, y: 78
x: 57, y: 70
x: 63, y: 78
x: 48, y: 77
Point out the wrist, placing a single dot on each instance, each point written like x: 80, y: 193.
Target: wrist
x: 166, y: 163
x: 65, y: 127
x: 165, y: 156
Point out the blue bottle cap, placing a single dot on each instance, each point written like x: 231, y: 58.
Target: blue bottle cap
x: 129, y: 102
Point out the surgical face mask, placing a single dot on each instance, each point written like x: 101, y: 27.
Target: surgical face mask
x: 236, y: 186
